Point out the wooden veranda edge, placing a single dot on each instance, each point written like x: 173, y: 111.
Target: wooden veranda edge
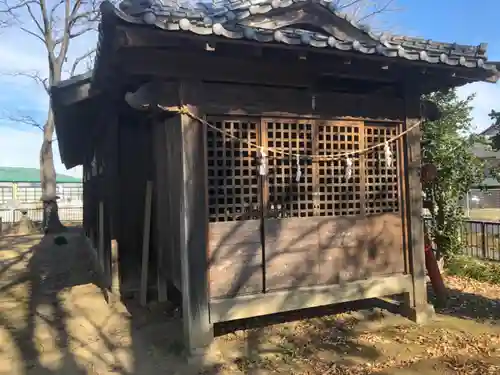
x: 242, y: 307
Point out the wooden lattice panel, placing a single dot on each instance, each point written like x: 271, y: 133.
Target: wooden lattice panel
x: 233, y: 183
x: 338, y: 196
x: 287, y: 197
x: 381, y: 180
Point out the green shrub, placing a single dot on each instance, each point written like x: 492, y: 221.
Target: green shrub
x: 464, y: 266
x: 447, y: 145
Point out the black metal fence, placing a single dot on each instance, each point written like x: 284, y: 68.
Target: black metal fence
x: 480, y: 239
x: 66, y: 214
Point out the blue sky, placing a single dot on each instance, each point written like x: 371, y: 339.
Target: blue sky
x: 460, y: 21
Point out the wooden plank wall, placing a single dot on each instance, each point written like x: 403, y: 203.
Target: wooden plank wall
x: 134, y: 170
x: 168, y: 174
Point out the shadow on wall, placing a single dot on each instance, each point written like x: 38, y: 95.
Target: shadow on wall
x: 302, y: 252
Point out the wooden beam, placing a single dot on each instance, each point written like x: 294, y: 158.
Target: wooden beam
x: 127, y: 36
x: 293, y: 102
x: 210, y: 66
x: 74, y: 125
x: 249, y: 100
x: 262, y: 304
x: 73, y: 91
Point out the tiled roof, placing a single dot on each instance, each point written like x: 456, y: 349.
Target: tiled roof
x: 228, y: 21
x: 490, y: 130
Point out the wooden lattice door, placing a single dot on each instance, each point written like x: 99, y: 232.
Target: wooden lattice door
x: 289, y: 229
x: 290, y: 248
x: 324, y: 228
x: 234, y: 204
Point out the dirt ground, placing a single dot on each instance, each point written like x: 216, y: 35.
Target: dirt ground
x: 78, y: 333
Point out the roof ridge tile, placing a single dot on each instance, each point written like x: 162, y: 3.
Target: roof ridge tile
x: 225, y: 21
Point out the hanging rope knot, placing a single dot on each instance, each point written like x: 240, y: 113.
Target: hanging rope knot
x: 262, y: 162
x: 299, y: 171
x: 184, y: 110
x: 388, y: 154
x: 348, y: 168
x: 263, y: 165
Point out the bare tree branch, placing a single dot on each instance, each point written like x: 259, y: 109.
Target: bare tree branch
x: 379, y: 10
x: 342, y: 4
x: 36, y: 22
x: 80, y: 59
x: 29, y: 32
x: 26, y: 120
x: 362, y: 10
x: 35, y: 76
x: 53, y: 23
x: 53, y: 11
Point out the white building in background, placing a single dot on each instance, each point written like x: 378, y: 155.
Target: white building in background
x: 20, y: 189
x: 22, y: 186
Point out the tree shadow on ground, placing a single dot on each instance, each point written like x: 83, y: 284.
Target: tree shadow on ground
x: 326, y: 340
x: 318, y: 340
x: 292, y: 341
x: 52, y: 320
x: 467, y: 305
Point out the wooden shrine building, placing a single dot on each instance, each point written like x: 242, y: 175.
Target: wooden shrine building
x: 282, y: 144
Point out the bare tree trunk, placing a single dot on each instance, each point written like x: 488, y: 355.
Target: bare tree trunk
x: 51, y: 222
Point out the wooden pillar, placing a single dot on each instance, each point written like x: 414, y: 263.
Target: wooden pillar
x: 194, y: 224
x: 415, y: 304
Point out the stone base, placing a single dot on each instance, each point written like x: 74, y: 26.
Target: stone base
x: 193, y: 364
x: 196, y: 358
x: 420, y: 314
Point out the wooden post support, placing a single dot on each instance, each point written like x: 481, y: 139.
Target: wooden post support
x: 484, y: 247
x: 100, y: 247
x: 161, y: 283
x: 415, y: 305
x: 145, y: 244
x: 115, y: 269
x: 194, y: 226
